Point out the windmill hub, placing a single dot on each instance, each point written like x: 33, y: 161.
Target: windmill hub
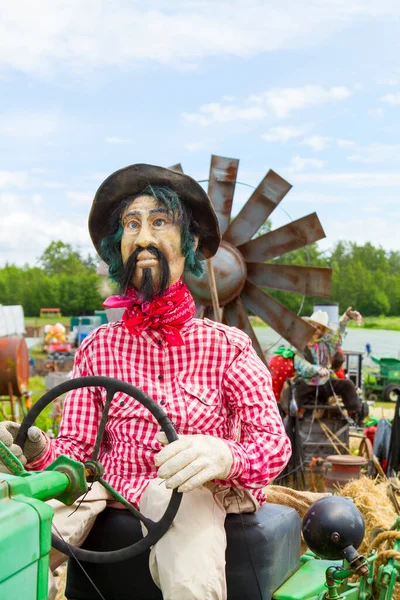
x: 230, y: 277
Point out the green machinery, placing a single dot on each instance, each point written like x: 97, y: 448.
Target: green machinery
x: 333, y: 528
x: 384, y: 382
x: 25, y: 525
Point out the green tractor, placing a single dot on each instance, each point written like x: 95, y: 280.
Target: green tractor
x: 385, y: 382
x: 263, y: 551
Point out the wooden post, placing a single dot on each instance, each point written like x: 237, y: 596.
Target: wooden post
x: 10, y: 393
x: 213, y: 289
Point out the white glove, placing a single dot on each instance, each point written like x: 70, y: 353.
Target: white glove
x: 36, y: 442
x: 192, y: 460
x: 323, y: 372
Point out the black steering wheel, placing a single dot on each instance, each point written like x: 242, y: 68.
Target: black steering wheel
x: 155, y: 529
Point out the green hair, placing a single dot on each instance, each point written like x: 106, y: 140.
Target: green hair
x: 111, y: 244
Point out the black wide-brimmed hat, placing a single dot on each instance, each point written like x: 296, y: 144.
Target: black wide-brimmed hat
x: 132, y: 181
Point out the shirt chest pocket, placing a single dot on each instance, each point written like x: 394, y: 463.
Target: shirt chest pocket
x: 207, y: 396
x: 203, y: 407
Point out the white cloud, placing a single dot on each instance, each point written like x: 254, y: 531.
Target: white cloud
x: 392, y: 99
x: 117, y: 140
x: 96, y: 177
x: 376, y: 153
x: 26, y: 229
x: 371, y: 208
x: 317, y: 142
x: 354, y: 180
x: 84, y: 198
x: 316, y: 198
x: 361, y: 229
x: 38, y: 171
x: 194, y: 146
x: 17, y: 179
x: 30, y: 125
x: 82, y: 36
x: 216, y: 112
x: 53, y: 185
x: 282, y: 134
x: 393, y: 79
x: 283, y: 101
x: 376, y: 113
x: 345, y: 143
x: 277, y: 102
x: 298, y: 164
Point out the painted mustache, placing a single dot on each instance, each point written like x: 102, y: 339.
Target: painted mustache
x: 146, y: 289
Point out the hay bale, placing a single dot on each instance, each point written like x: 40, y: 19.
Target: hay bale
x: 371, y: 498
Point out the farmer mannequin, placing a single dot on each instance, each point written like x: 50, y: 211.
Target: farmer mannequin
x: 150, y: 224
x: 316, y: 361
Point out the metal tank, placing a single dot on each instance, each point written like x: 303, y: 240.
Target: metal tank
x: 14, y: 366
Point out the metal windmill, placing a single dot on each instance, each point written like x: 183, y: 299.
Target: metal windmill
x: 240, y: 267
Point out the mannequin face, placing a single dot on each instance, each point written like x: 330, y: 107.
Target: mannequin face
x: 147, y: 224
x: 319, y: 333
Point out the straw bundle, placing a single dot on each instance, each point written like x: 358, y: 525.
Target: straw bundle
x: 372, y: 500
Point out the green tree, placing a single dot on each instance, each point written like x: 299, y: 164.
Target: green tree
x: 63, y: 280
x: 62, y: 258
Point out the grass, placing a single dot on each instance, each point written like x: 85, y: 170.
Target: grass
x: 50, y: 320
x: 387, y: 323
x: 257, y: 322
x: 37, y: 386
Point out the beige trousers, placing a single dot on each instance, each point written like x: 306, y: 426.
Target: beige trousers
x: 188, y: 562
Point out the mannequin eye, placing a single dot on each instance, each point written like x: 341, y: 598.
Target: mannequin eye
x: 130, y: 224
x: 159, y: 222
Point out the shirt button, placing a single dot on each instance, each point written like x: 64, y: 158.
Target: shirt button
x: 159, y: 342
x: 160, y: 377
x: 162, y: 402
x: 122, y: 403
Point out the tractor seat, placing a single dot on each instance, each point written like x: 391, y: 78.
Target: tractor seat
x: 263, y: 550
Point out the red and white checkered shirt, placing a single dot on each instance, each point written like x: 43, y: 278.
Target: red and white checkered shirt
x: 210, y: 385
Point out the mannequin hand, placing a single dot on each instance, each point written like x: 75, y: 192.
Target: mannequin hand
x: 193, y: 460
x: 354, y: 315
x: 35, y: 444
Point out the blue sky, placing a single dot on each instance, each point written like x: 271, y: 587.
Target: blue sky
x: 309, y: 88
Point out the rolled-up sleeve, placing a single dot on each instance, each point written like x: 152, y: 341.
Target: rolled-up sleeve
x: 263, y: 448
x: 80, y: 420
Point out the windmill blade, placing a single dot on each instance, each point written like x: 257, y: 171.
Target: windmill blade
x: 289, y: 325
x: 221, y: 186
x: 309, y: 281
x: 257, y: 209
x: 235, y: 315
x: 290, y: 237
x: 177, y: 168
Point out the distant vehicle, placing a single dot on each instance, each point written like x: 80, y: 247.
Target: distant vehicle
x: 385, y: 382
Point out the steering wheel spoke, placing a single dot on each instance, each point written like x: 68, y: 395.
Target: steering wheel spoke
x: 155, y: 530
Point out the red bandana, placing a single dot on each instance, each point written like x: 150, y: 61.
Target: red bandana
x: 167, y: 313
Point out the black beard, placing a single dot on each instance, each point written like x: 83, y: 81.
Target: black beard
x: 146, y: 288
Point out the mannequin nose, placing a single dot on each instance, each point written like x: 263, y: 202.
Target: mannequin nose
x: 144, y: 237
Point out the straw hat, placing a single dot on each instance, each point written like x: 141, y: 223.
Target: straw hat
x: 132, y: 181
x: 320, y: 318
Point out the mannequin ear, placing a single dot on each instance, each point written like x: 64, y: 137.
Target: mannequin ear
x: 196, y: 242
